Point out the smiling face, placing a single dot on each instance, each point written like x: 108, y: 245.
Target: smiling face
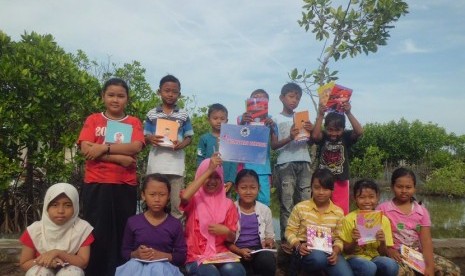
x: 320, y: 194
x: 169, y: 93
x: 60, y: 210
x: 216, y: 118
x: 247, y: 188
x: 367, y: 199
x: 115, y: 98
x: 334, y: 133
x: 213, y: 184
x: 404, y: 189
x: 156, y: 195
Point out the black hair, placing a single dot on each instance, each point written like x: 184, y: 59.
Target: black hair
x: 246, y: 172
x: 169, y: 78
x: 159, y: 178
x: 117, y: 82
x: 291, y: 87
x: 216, y: 107
x: 260, y: 91
x: 335, y: 119
x: 400, y: 172
x: 365, y: 184
x: 325, y: 177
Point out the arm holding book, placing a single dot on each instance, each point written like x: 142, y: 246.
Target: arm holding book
x: 427, y: 250
x: 317, y: 134
x: 276, y: 144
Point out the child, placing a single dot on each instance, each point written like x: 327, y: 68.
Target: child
x: 109, y: 193
x: 369, y: 259
x: 263, y: 171
x: 153, y: 234
x: 293, y: 171
x: 165, y: 160
x: 255, y: 226
x: 411, y: 226
x: 319, y: 210
x: 60, y: 242
x: 335, y: 143
x: 211, y: 220
x: 208, y: 143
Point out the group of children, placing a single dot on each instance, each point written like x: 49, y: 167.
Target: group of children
x: 202, y: 221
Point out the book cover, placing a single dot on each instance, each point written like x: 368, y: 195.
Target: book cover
x: 118, y: 133
x: 223, y: 257
x: 413, y: 258
x: 319, y: 238
x: 169, y: 130
x: 299, y: 119
x: 368, y: 223
x: 258, y: 110
x: 244, y: 143
x: 332, y: 95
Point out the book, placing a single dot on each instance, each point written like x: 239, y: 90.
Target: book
x: 223, y: 257
x: 413, y: 258
x: 244, y: 143
x: 368, y: 223
x: 299, y: 119
x: 332, y: 95
x: 118, y: 133
x: 151, y: 261
x: 264, y: 249
x: 258, y: 109
x: 169, y: 130
x: 319, y: 238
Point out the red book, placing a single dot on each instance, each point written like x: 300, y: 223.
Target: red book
x: 258, y: 109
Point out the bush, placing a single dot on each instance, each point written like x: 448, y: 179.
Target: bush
x: 370, y: 166
x: 449, y: 180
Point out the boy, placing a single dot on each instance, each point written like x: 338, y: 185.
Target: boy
x: 334, y: 145
x: 165, y: 160
x: 292, y: 169
x: 208, y: 143
x: 263, y: 171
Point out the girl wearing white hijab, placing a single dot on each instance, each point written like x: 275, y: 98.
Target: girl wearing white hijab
x: 58, y: 244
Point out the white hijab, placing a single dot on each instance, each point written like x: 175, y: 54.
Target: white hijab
x: 46, y: 235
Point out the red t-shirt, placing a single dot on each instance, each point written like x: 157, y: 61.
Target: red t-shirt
x: 107, y: 172
x: 26, y: 240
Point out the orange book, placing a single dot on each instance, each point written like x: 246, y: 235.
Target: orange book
x: 169, y: 130
x: 299, y: 119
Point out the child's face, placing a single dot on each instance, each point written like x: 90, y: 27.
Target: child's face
x: 60, y: 210
x: 334, y: 133
x: 404, y: 189
x: 216, y: 118
x: 367, y: 199
x: 156, y: 195
x: 320, y: 194
x: 247, y: 189
x: 115, y: 99
x: 169, y: 93
x: 290, y: 100
x: 212, y: 184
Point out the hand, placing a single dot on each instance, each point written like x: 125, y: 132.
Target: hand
x: 308, y: 126
x: 215, y: 161
x: 218, y: 229
x: 303, y: 249
x: 245, y: 253
x: 227, y: 186
x: 94, y: 151
x: 125, y: 160
x: 346, y: 107
x: 155, y: 140
x: 293, y: 132
x: 143, y: 252
x: 380, y: 236
x: 322, y: 110
x: 47, y: 259
x: 356, y: 235
x: 269, y: 123
x: 394, y: 254
x: 268, y: 243
x: 246, y: 118
x: 332, y: 259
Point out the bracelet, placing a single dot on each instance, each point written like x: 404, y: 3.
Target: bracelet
x: 108, y: 149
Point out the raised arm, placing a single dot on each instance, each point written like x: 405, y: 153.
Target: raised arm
x: 317, y: 135
x: 356, y: 126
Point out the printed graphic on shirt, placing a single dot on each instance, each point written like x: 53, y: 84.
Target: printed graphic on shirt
x: 333, y: 158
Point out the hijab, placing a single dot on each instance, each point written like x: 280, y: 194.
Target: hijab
x: 46, y: 235
x: 211, y: 208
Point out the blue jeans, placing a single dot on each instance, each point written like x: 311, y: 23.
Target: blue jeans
x: 380, y: 265
x: 293, y: 185
x: 317, y: 261
x: 226, y: 269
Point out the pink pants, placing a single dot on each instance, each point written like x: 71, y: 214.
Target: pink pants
x: 341, y: 195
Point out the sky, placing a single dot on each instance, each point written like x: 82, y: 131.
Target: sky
x: 223, y: 50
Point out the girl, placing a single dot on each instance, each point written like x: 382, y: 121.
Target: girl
x: 255, y: 226
x: 318, y: 210
x: 334, y: 146
x: 154, y: 234
x: 109, y: 192
x: 411, y: 226
x: 211, y: 220
x: 58, y: 244
x: 369, y: 259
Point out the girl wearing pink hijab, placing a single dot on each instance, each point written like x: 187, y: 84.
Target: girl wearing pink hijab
x: 211, y: 220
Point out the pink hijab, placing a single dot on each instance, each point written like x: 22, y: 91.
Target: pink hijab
x: 211, y: 208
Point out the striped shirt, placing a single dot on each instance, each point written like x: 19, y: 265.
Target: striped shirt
x: 306, y: 213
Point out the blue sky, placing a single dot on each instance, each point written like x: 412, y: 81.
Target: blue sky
x: 223, y: 50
